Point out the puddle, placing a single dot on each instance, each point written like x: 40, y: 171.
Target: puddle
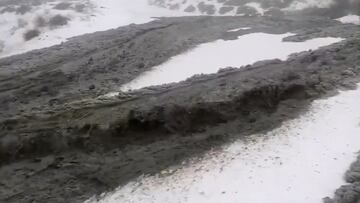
x: 304, y: 160
x: 210, y: 57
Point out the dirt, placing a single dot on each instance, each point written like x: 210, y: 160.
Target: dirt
x: 61, y: 142
x: 98, y: 63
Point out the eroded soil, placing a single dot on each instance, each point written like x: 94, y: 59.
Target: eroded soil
x: 61, y: 142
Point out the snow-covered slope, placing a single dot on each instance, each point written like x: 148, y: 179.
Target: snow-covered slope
x: 302, y: 161
x: 205, y: 58
x: 28, y: 26
x: 238, y: 7
x: 354, y: 19
x: 261, y: 7
x: 22, y: 25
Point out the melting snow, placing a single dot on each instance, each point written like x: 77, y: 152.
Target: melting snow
x: 210, y: 57
x: 257, y: 7
x: 303, y: 4
x: 302, y: 161
x: 105, y: 14
x: 239, y: 29
x: 354, y: 19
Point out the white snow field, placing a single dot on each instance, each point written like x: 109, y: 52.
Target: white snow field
x: 350, y: 19
x: 210, y: 57
x: 303, y: 4
x: 302, y: 161
x: 216, y: 5
x: 101, y: 15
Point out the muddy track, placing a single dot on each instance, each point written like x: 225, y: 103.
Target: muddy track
x: 83, y: 145
x: 197, y: 103
x: 164, y: 127
x: 94, y: 64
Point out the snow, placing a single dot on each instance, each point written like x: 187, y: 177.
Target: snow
x: 239, y: 29
x: 304, y: 160
x: 210, y: 57
x: 182, y: 5
x: 350, y: 19
x: 104, y: 15
x: 304, y: 4
x: 257, y: 7
x: 13, y: 26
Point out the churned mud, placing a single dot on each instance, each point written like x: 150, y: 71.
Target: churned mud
x: 61, y: 140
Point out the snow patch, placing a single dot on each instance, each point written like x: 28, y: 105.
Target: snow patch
x: 302, y: 161
x: 104, y: 15
x: 182, y: 5
x: 350, y: 19
x: 304, y: 4
x: 239, y: 29
x: 257, y: 7
x: 210, y: 57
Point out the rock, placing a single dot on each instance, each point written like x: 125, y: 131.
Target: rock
x: 58, y: 21
x: 190, y: 9
x: 30, y: 34
x: 225, y: 9
x: 92, y: 87
x: 348, y: 72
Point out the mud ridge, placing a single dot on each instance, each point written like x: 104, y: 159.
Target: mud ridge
x: 66, y: 151
x: 244, y: 100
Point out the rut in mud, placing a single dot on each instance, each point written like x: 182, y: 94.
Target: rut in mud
x: 62, y: 136
x: 162, y: 122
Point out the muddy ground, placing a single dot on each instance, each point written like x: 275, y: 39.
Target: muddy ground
x: 61, y: 142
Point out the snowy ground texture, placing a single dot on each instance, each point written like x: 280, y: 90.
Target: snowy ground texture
x: 305, y: 157
x: 206, y: 59
x: 238, y: 7
x: 34, y: 24
x: 251, y: 8
x: 354, y: 19
x: 47, y: 24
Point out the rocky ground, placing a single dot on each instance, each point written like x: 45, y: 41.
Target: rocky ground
x: 61, y: 141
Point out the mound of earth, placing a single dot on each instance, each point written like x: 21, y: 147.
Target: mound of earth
x: 60, y: 139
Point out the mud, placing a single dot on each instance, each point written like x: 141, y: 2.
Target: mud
x: 61, y: 142
x: 98, y: 63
